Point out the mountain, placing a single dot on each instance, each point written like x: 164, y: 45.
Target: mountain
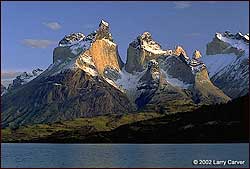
x: 228, y: 63
x: 7, y: 77
x: 166, y: 80
x: 19, y: 80
x: 88, y: 78
x: 24, y: 78
x: 3, y: 90
x: 73, y: 86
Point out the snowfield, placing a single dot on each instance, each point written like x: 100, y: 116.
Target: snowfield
x: 216, y: 63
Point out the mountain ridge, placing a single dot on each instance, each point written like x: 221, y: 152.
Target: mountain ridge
x: 88, y: 78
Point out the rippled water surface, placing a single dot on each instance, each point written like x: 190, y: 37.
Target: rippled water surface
x: 119, y: 155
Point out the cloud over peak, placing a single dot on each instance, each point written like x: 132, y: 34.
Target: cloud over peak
x: 38, y: 43
x: 182, y: 4
x: 53, y: 25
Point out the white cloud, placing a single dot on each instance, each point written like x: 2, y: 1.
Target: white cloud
x: 36, y: 43
x: 182, y: 4
x: 53, y: 25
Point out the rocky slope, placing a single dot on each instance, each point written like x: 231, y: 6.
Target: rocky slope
x: 3, y: 89
x: 225, y: 123
x: 24, y: 78
x: 228, y: 63
x: 66, y: 96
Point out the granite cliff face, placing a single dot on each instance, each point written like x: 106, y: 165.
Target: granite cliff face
x: 141, y: 50
x: 99, y: 46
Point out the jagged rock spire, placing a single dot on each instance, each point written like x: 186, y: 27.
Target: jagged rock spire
x: 103, y: 23
x: 103, y: 31
x: 141, y: 50
x: 179, y: 50
x: 197, y: 55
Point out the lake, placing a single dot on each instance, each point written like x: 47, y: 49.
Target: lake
x: 120, y: 155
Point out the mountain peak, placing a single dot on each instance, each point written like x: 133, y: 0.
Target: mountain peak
x: 145, y: 36
x: 226, y: 43
x: 93, y: 54
x: 103, y: 23
x: 227, y: 35
x: 197, y: 55
x: 71, y: 39
x: 146, y: 42
x: 141, y: 50
x: 103, y: 31
x: 24, y: 78
x: 179, y: 50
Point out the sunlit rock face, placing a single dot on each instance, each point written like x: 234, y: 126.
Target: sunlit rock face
x: 180, y: 51
x: 142, y: 50
x: 197, y: 55
x: 99, y: 46
x: 104, y: 54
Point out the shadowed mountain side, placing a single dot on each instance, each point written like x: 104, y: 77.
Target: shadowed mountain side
x: 222, y: 123
x: 68, y: 95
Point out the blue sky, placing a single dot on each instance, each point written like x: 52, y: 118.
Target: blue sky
x: 31, y: 30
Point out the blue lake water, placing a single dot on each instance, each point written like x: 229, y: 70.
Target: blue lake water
x: 119, y: 155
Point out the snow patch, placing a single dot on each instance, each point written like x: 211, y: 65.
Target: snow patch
x: 71, y: 39
x: 216, y: 63
x: 175, y: 82
x: 86, y: 59
x: 188, y: 126
x: 81, y: 47
x: 246, y: 37
x: 104, y: 23
x: 77, y: 63
x: 57, y: 84
x: 154, y: 49
x: 89, y: 70
x: 109, y: 42
x: 129, y: 81
x: 113, y: 84
x: 239, y: 44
